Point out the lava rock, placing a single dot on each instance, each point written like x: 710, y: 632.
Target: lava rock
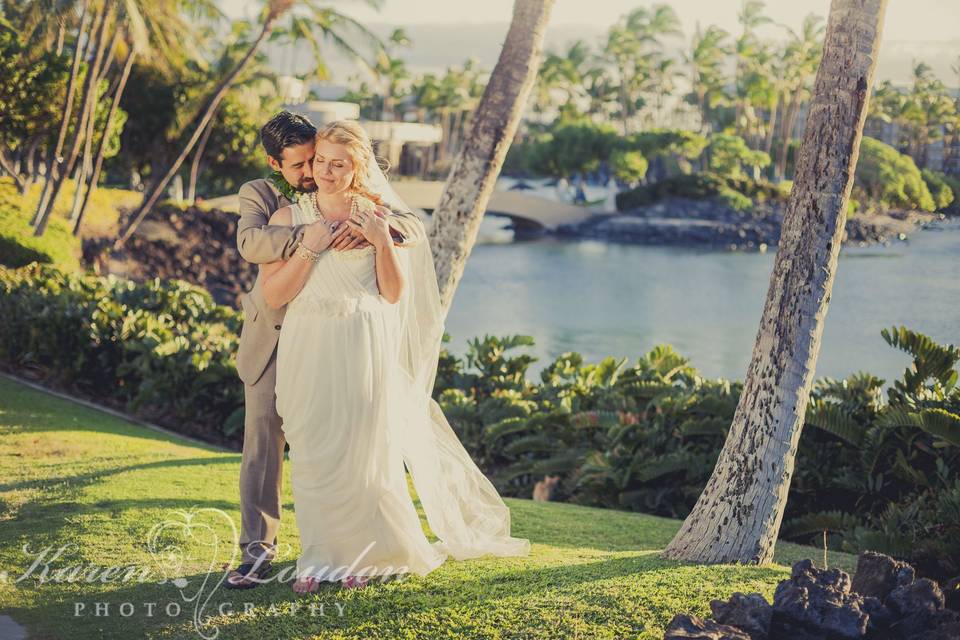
x: 951, y: 594
x: 822, y: 604
x: 686, y: 627
x: 877, y: 575
x: 914, y: 607
x: 943, y: 625
x: 751, y: 613
x: 819, y: 601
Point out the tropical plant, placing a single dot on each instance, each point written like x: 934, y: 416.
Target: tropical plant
x: 888, y: 178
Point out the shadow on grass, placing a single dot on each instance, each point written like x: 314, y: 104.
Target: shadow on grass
x: 79, y: 481
x: 451, y: 587
x: 29, y: 410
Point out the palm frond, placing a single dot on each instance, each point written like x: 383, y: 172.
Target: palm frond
x: 833, y: 419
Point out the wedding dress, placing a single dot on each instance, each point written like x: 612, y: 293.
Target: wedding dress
x: 354, y: 374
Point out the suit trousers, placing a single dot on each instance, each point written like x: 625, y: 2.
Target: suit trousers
x: 261, y: 468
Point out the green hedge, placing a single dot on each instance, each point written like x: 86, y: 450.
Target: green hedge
x: 164, y: 351
x: 739, y: 193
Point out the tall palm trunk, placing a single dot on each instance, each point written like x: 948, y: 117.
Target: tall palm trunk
x: 772, y: 125
x: 738, y: 515
x: 104, y: 139
x: 777, y: 110
x: 789, y: 125
x: 624, y: 102
x: 90, y: 94
x: 195, y: 163
x: 7, y: 165
x: 469, y: 186
x: 277, y: 9
x: 86, y: 161
x: 54, y: 159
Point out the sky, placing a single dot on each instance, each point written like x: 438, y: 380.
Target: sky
x: 907, y: 20
x: 446, y: 32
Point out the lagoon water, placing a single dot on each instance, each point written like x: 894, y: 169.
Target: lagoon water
x: 606, y: 299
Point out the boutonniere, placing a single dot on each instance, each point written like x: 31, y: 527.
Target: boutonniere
x: 276, y: 179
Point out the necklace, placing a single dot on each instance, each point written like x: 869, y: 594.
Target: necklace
x: 316, y: 214
x: 308, y: 202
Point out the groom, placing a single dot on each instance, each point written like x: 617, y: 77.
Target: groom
x: 288, y: 140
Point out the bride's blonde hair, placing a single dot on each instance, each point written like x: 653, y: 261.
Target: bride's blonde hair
x: 354, y: 138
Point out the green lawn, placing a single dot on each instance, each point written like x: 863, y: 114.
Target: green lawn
x: 74, y: 476
x: 58, y: 245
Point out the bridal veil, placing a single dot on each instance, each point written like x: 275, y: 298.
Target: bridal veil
x: 462, y: 506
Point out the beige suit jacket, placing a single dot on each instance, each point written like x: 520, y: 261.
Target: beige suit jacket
x: 259, y: 243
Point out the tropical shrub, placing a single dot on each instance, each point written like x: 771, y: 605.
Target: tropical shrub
x: 885, y: 475
x: 940, y: 189
x: 729, y: 157
x: 890, y: 179
x: 739, y: 193
x: 162, y: 350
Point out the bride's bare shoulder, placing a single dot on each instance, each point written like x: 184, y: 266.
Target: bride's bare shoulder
x: 283, y: 215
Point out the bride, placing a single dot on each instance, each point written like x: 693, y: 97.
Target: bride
x: 356, y: 364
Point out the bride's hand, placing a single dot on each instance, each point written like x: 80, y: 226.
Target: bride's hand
x: 372, y: 225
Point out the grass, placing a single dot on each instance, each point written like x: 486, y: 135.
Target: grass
x: 58, y: 246
x: 75, y: 476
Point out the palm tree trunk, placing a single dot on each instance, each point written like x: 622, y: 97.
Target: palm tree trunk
x: 54, y: 160
x: 738, y: 515
x: 278, y: 8
x: 772, y: 125
x: 102, y: 149
x: 30, y: 166
x: 624, y: 103
x: 89, y: 96
x: 61, y: 36
x: 86, y: 161
x: 457, y: 217
x: 789, y: 124
x: 195, y: 164
x: 7, y: 165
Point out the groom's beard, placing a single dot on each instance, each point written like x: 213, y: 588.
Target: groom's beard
x: 307, y: 185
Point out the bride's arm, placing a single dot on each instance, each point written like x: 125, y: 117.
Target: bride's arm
x: 282, y: 280
x: 389, y: 275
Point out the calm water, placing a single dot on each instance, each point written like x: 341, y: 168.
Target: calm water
x: 604, y: 299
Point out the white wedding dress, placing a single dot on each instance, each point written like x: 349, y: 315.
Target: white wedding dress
x: 352, y: 416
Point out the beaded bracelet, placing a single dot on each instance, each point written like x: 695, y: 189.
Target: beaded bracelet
x: 308, y: 254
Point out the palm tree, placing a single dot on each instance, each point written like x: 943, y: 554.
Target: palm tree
x: 457, y: 217
x: 747, y: 48
x: 601, y: 92
x: 80, y: 205
x: 327, y: 20
x: 738, y: 515
x: 929, y: 107
x: 253, y: 76
x: 453, y: 98
x: 43, y: 22
x: 54, y: 161
x: 559, y: 71
x: 393, y: 74
x: 623, y: 51
x: 102, y: 20
x: 708, y: 53
x: 634, y: 46
x: 139, y: 25
x: 801, y: 58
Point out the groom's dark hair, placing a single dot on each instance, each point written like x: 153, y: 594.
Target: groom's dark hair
x: 285, y: 130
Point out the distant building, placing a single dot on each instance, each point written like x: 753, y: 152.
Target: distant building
x: 404, y: 144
